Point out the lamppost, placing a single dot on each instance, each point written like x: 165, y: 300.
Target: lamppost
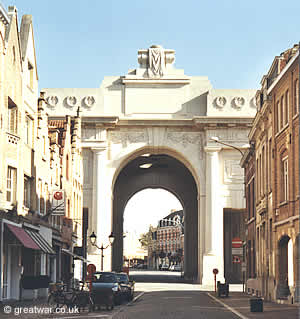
x: 216, y: 139
x: 93, y: 238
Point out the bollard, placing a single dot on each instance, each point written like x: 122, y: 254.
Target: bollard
x: 256, y: 305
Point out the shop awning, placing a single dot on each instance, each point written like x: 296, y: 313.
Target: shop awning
x: 41, y: 242
x: 23, y: 237
x: 66, y: 251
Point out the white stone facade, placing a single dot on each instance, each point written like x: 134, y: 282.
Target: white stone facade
x: 158, y: 109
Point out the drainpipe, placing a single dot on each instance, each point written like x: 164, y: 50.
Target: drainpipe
x: 1, y: 259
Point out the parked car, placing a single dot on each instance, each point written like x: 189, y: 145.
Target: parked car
x: 177, y: 268
x: 164, y: 267
x: 105, y: 289
x: 127, y: 286
x: 171, y: 268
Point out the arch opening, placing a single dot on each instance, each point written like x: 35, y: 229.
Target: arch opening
x: 157, y: 171
x: 142, y: 218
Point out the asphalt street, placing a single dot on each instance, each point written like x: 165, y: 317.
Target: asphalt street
x: 175, y: 305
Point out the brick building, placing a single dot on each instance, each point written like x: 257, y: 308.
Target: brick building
x: 168, y: 245
x: 273, y: 168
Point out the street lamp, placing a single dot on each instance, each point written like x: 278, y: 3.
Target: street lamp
x: 216, y: 139
x: 93, y: 239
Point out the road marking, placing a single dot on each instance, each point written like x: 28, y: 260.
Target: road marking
x: 129, y: 303
x: 228, y: 307
x: 138, y: 296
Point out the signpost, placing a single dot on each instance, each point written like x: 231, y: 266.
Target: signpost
x: 215, y: 272
x: 243, y: 271
x: 58, y: 203
x: 91, y: 268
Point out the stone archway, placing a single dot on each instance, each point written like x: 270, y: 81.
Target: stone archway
x: 283, y: 267
x: 168, y: 173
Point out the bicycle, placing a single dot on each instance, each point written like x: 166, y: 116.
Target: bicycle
x: 78, y: 297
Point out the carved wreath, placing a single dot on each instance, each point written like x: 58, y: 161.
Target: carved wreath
x: 71, y: 101
x: 52, y: 100
x: 220, y: 101
x: 89, y: 101
x: 238, y: 101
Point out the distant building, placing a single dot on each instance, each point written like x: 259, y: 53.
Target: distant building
x: 168, y: 241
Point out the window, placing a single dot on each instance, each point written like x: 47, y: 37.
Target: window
x: 278, y: 117
x: 270, y: 164
x: 12, y: 117
x: 41, y: 198
x: 263, y: 171
x: 28, y: 130
x: 44, y: 145
x: 11, y: 185
x: 281, y: 113
x: 286, y: 110
x: 284, y: 196
x: 67, y: 167
x: 296, y: 96
x: 14, y: 54
x: 27, y: 191
x: 47, y: 198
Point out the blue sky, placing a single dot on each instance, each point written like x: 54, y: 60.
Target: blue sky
x: 233, y: 42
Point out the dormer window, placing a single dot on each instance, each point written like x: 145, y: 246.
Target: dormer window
x: 30, y: 75
x: 12, y: 117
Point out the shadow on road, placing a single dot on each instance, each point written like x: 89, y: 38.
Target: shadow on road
x: 156, y: 276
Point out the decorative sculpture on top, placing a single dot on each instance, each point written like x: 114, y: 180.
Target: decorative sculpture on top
x: 156, y: 61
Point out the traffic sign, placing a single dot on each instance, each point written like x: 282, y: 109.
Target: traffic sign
x: 215, y: 271
x: 237, y: 251
x: 91, y: 268
x: 236, y: 259
x: 237, y: 243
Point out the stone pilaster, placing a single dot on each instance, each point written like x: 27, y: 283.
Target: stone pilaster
x: 213, y: 256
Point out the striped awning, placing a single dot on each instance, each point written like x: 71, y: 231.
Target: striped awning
x: 41, y: 242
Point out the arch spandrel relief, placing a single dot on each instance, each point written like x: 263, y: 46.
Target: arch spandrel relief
x: 162, y: 137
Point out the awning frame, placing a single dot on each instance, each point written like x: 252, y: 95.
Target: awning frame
x: 68, y: 252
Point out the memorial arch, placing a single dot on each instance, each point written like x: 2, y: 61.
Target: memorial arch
x: 156, y: 109
x: 165, y: 172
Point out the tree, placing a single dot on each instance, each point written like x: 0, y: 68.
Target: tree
x: 146, y: 238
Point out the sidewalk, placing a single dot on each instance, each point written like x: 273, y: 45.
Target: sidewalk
x: 239, y: 303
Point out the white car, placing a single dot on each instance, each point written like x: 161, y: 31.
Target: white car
x: 164, y: 267
x: 177, y: 268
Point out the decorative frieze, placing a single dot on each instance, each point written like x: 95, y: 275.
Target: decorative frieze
x: 186, y: 139
x: 125, y: 137
x: 234, y: 135
x: 71, y: 101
